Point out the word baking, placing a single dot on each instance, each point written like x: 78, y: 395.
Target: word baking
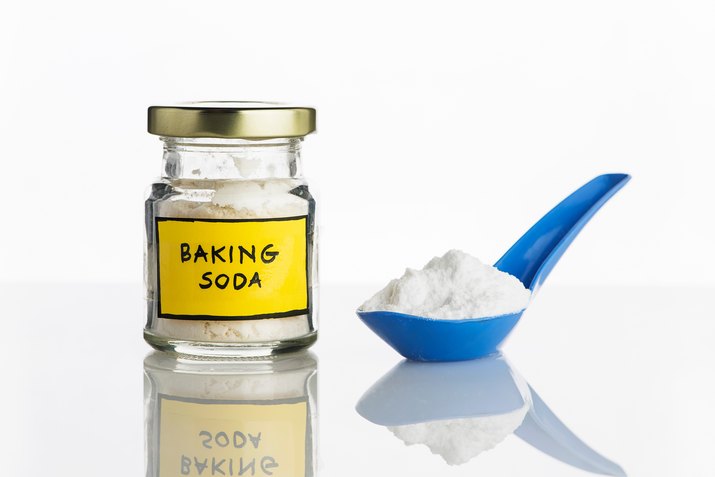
x: 227, y: 254
x: 212, y: 467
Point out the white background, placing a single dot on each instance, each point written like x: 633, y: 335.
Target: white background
x: 441, y: 125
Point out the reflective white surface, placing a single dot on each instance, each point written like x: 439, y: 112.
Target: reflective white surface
x: 627, y: 371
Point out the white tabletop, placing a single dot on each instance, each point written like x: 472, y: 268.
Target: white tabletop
x: 628, y: 371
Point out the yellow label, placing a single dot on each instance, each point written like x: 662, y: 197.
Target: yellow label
x: 215, y: 438
x: 232, y: 269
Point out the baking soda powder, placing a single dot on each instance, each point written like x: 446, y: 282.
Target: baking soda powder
x: 452, y: 287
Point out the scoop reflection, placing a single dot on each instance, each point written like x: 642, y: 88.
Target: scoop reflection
x: 230, y: 418
x: 460, y: 410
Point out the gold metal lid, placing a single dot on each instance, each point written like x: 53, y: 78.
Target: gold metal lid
x: 231, y: 119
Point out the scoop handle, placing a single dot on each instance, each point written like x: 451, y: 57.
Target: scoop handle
x: 544, y: 431
x: 534, y: 255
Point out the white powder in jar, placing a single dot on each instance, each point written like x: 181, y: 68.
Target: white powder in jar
x: 236, y: 200
x: 458, y: 441
x: 454, y: 286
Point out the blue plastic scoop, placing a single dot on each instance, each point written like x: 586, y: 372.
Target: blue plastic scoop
x: 530, y: 259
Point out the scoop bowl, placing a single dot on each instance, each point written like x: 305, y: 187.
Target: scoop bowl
x: 530, y: 259
x: 427, y: 339
x: 413, y: 393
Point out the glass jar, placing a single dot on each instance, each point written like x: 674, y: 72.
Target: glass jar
x: 230, y: 264
x: 232, y: 418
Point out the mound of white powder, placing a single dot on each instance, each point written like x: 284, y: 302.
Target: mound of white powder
x: 459, y: 440
x: 453, y: 286
x: 261, y: 198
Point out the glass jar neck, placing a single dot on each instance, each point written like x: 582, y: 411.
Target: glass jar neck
x: 215, y: 159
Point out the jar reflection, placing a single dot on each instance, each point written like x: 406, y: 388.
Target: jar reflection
x: 230, y: 418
